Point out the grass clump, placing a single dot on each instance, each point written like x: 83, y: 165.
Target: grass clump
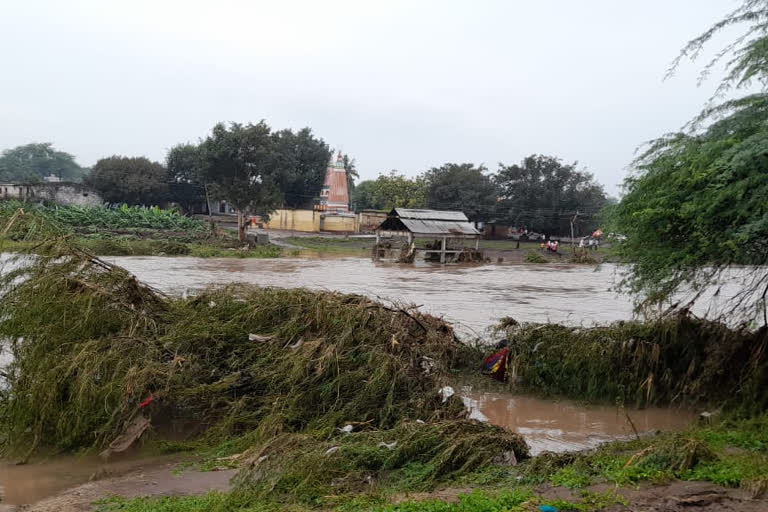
x: 704, y: 453
x: 410, y: 456
x: 676, y: 360
x: 535, y: 257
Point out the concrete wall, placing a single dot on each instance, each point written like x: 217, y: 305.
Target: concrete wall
x: 339, y: 223
x: 369, y: 220
x: 294, y: 220
x: 311, y: 221
x: 68, y: 194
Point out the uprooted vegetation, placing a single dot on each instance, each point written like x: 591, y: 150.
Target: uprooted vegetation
x: 679, y: 360
x: 98, y: 357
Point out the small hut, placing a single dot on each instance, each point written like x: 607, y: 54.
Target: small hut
x: 447, y: 233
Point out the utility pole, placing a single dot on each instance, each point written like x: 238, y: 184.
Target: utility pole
x: 573, y: 219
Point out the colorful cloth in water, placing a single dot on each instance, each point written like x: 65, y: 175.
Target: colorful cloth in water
x: 495, y: 365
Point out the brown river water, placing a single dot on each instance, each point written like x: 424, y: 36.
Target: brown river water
x: 470, y: 297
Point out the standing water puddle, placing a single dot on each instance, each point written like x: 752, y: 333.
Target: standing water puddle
x: 564, y: 425
x: 29, y: 483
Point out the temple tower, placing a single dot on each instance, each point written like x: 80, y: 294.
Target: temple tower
x: 334, y: 196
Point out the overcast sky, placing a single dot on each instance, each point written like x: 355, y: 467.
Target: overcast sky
x: 401, y: 85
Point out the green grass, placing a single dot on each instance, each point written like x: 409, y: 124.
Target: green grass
x: 150, y: 247
x: 520, y: 499
x: 507, y: 244
x: 336, y: 245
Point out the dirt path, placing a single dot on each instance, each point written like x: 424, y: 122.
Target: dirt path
x: 148, y: 481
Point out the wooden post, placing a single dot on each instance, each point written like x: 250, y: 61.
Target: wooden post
x: 376, y: 247
x: 442, y: 251
x: 477, y: 244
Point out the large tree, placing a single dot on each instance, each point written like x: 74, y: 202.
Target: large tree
x: 33, y: 162
x: 185, y: 188
x: 391, y: 190
x: 243, y: 167
x: 695, y: 206
x: 130, y: 180
x: 304, y: 159
x: 464, y: 187
x: 544, y: 194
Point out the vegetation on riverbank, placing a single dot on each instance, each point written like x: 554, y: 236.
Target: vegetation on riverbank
x: 678, y: 360
x: 125, y: 231
x: 730, y: 453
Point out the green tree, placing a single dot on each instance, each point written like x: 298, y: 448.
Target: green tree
x: 695, y: 205
x: 462, y: 187
x: 130, y: 180
x: 184, y: 163
x: 391, y: 190
x: 33, y: 162
x: 544, y: 194
x: 243, y: 167
x: 304, y: 160
x: 350, y: 167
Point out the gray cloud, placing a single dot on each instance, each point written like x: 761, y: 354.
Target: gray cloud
x: 404, y: 85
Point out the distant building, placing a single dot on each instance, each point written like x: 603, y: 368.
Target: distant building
x: 63, y: 193
x: 334, y: 196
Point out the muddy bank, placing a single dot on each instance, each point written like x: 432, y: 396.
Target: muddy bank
x: 150, y: 480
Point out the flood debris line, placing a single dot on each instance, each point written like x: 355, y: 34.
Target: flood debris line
x: 679, y: 359
x: 100, y: 358
x: 307, y: 468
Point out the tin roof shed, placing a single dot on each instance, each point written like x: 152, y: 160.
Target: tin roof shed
x: 429, y: 223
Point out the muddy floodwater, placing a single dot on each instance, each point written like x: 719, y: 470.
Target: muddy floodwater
x: 473, y: 297
x: 564, y: 425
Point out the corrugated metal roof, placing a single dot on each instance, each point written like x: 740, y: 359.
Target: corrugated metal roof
x: 439, y: 227
x: 408, y: 213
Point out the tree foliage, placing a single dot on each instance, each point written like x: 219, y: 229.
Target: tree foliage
x: 129, y: 180
x: 33, y: 162
x: 695, y: 206
x: 184, y: 163
x: 543, y: 194
x: 464, y: 187
x: 241, y: 164
x: 391, y: 190
x: 305, y: 159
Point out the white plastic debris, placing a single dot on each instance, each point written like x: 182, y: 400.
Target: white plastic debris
x: 331, y: 450
x: 297, y: 344
x: 420, y: 422
x: 388, y: 446
x: 428, y: 365
x: 259, y: 337
x: 211, y: 304
x: 347, y: 429
x: 446, y: 393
